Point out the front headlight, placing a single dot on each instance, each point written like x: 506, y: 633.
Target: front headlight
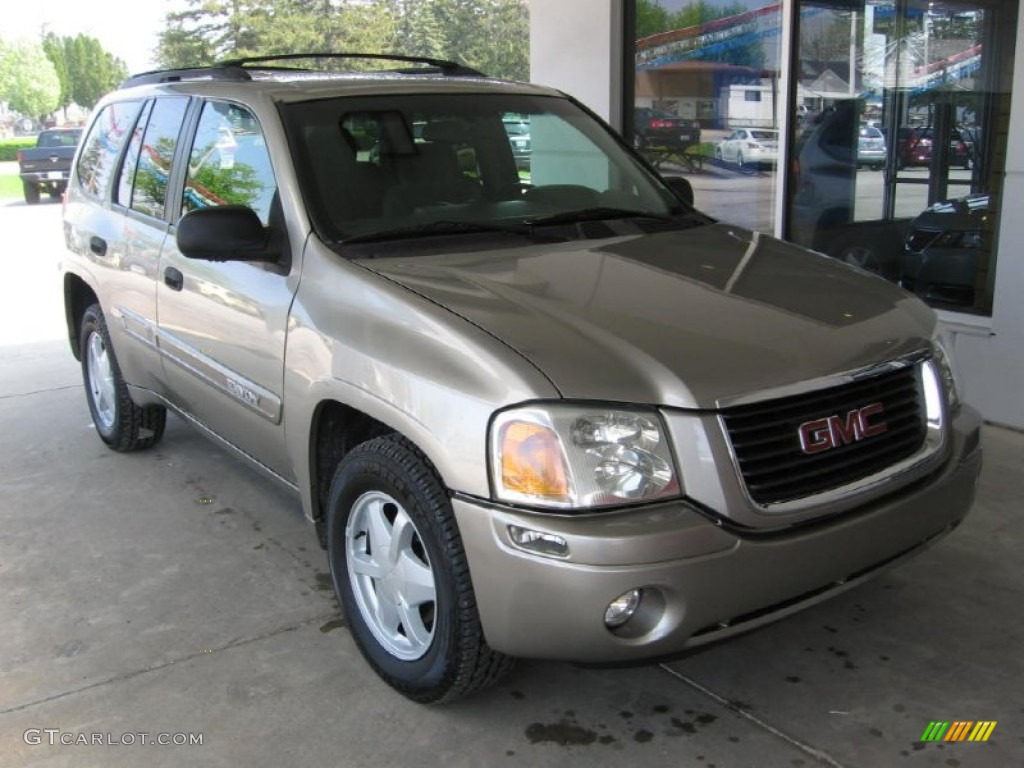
x: 950, y: 382
x: 568, y: 457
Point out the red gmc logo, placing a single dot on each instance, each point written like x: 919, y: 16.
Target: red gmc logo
x: 832, y: 432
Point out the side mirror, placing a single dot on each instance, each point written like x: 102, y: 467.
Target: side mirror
x: 681, y: 187
x: 224, y: 233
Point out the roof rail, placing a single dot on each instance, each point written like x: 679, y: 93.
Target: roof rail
x: 238, y: 69
x: 212, y: 72
x: 452, y: 68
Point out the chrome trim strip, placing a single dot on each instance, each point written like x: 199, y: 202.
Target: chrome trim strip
x: 250, y: 394
x: 916, y: 465
x: 824, y: 382
x: 137, y: 326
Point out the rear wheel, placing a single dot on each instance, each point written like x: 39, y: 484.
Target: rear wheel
x: 401, y: 575
x: 31, y: 192
x: 121, y: 424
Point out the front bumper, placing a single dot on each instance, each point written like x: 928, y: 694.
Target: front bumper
x: 704, y: 582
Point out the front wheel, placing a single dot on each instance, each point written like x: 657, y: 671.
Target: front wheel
x: 121, y: 424
x: 401, y: 576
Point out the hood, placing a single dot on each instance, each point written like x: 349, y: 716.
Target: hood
x: 960, y: 214
x: 689, y: 318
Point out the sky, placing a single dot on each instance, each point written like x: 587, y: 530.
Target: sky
x: 126, y: 28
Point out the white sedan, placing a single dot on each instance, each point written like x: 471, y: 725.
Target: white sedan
x: 749, y: 146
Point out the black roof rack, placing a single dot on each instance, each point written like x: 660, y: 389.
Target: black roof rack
x: 238, y: 69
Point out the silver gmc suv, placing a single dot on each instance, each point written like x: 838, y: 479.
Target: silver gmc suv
x: 535, y: 403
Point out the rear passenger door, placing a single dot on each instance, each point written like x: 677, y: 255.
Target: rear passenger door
x: 222, y: 325
x: 115, y: 220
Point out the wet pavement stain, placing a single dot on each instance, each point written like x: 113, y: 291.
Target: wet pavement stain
x: 518, y: 695
x: 683, y: 726
x: 643, y: 736
x: 332, y: 625
x: 324, y: 583
x: 224, y: 511
x: 259, y: 546
x: 792, y: 679
x: 706, y: 719
x: 660, y: 709
x: 564, y: 733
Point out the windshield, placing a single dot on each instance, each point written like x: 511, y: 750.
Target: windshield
x: 371, y: 166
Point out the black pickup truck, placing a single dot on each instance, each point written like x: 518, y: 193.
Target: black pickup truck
x: 47, y: 165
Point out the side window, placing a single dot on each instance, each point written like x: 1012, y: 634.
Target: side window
x: 123, y: 196
x: 229, y: 163
x: 149, y: 192
x: 106, y: 137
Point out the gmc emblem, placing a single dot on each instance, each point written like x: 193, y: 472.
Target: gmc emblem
x: 834, y: 431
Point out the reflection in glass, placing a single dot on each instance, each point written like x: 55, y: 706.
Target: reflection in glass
x: 706, y: 95
x: 229, y: 163
x: 900, y: 140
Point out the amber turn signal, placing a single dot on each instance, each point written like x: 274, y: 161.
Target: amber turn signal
x: 532, y: 461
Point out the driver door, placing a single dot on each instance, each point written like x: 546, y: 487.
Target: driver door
x: 222, y: 325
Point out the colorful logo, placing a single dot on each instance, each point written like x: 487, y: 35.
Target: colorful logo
x: 958, y: 730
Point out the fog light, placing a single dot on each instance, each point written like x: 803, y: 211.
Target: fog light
x: 621, y: 609
x: 538, y: 541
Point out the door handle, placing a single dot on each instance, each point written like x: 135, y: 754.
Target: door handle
x: 98, y: 245
x: 174, y: 279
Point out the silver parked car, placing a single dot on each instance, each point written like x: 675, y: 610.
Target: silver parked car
x: 871, y: 148
x: 570, y: 418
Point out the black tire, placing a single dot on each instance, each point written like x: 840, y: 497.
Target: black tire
x: 120, y: 423
x: 31, y: 192
x: 455, y: 659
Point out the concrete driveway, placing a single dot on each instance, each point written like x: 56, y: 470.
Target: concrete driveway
x: 176, y: 594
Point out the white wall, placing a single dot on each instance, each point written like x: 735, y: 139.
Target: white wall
x: 990, y: 356
x: 576, y: 46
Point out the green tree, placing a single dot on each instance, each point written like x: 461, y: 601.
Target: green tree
x: 651, y: 19
x: 28, y: 82
x: 492, y: 35
x: 53, y: 47
x: 92, y: 72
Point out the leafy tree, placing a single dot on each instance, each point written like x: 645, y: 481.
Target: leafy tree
x: 84, y: 69
x: 53, y: 47
x: 28, y: 82
x: 492, y: 35
x: 651, y: 19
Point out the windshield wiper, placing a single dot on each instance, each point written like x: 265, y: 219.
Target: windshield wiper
x: 600, y: 213
x: 442, y: 228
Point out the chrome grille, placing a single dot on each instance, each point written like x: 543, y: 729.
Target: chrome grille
x: 765, y: 436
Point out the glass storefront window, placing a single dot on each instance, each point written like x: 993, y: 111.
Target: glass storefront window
x: 705, y: 101
x: 899, y: 143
